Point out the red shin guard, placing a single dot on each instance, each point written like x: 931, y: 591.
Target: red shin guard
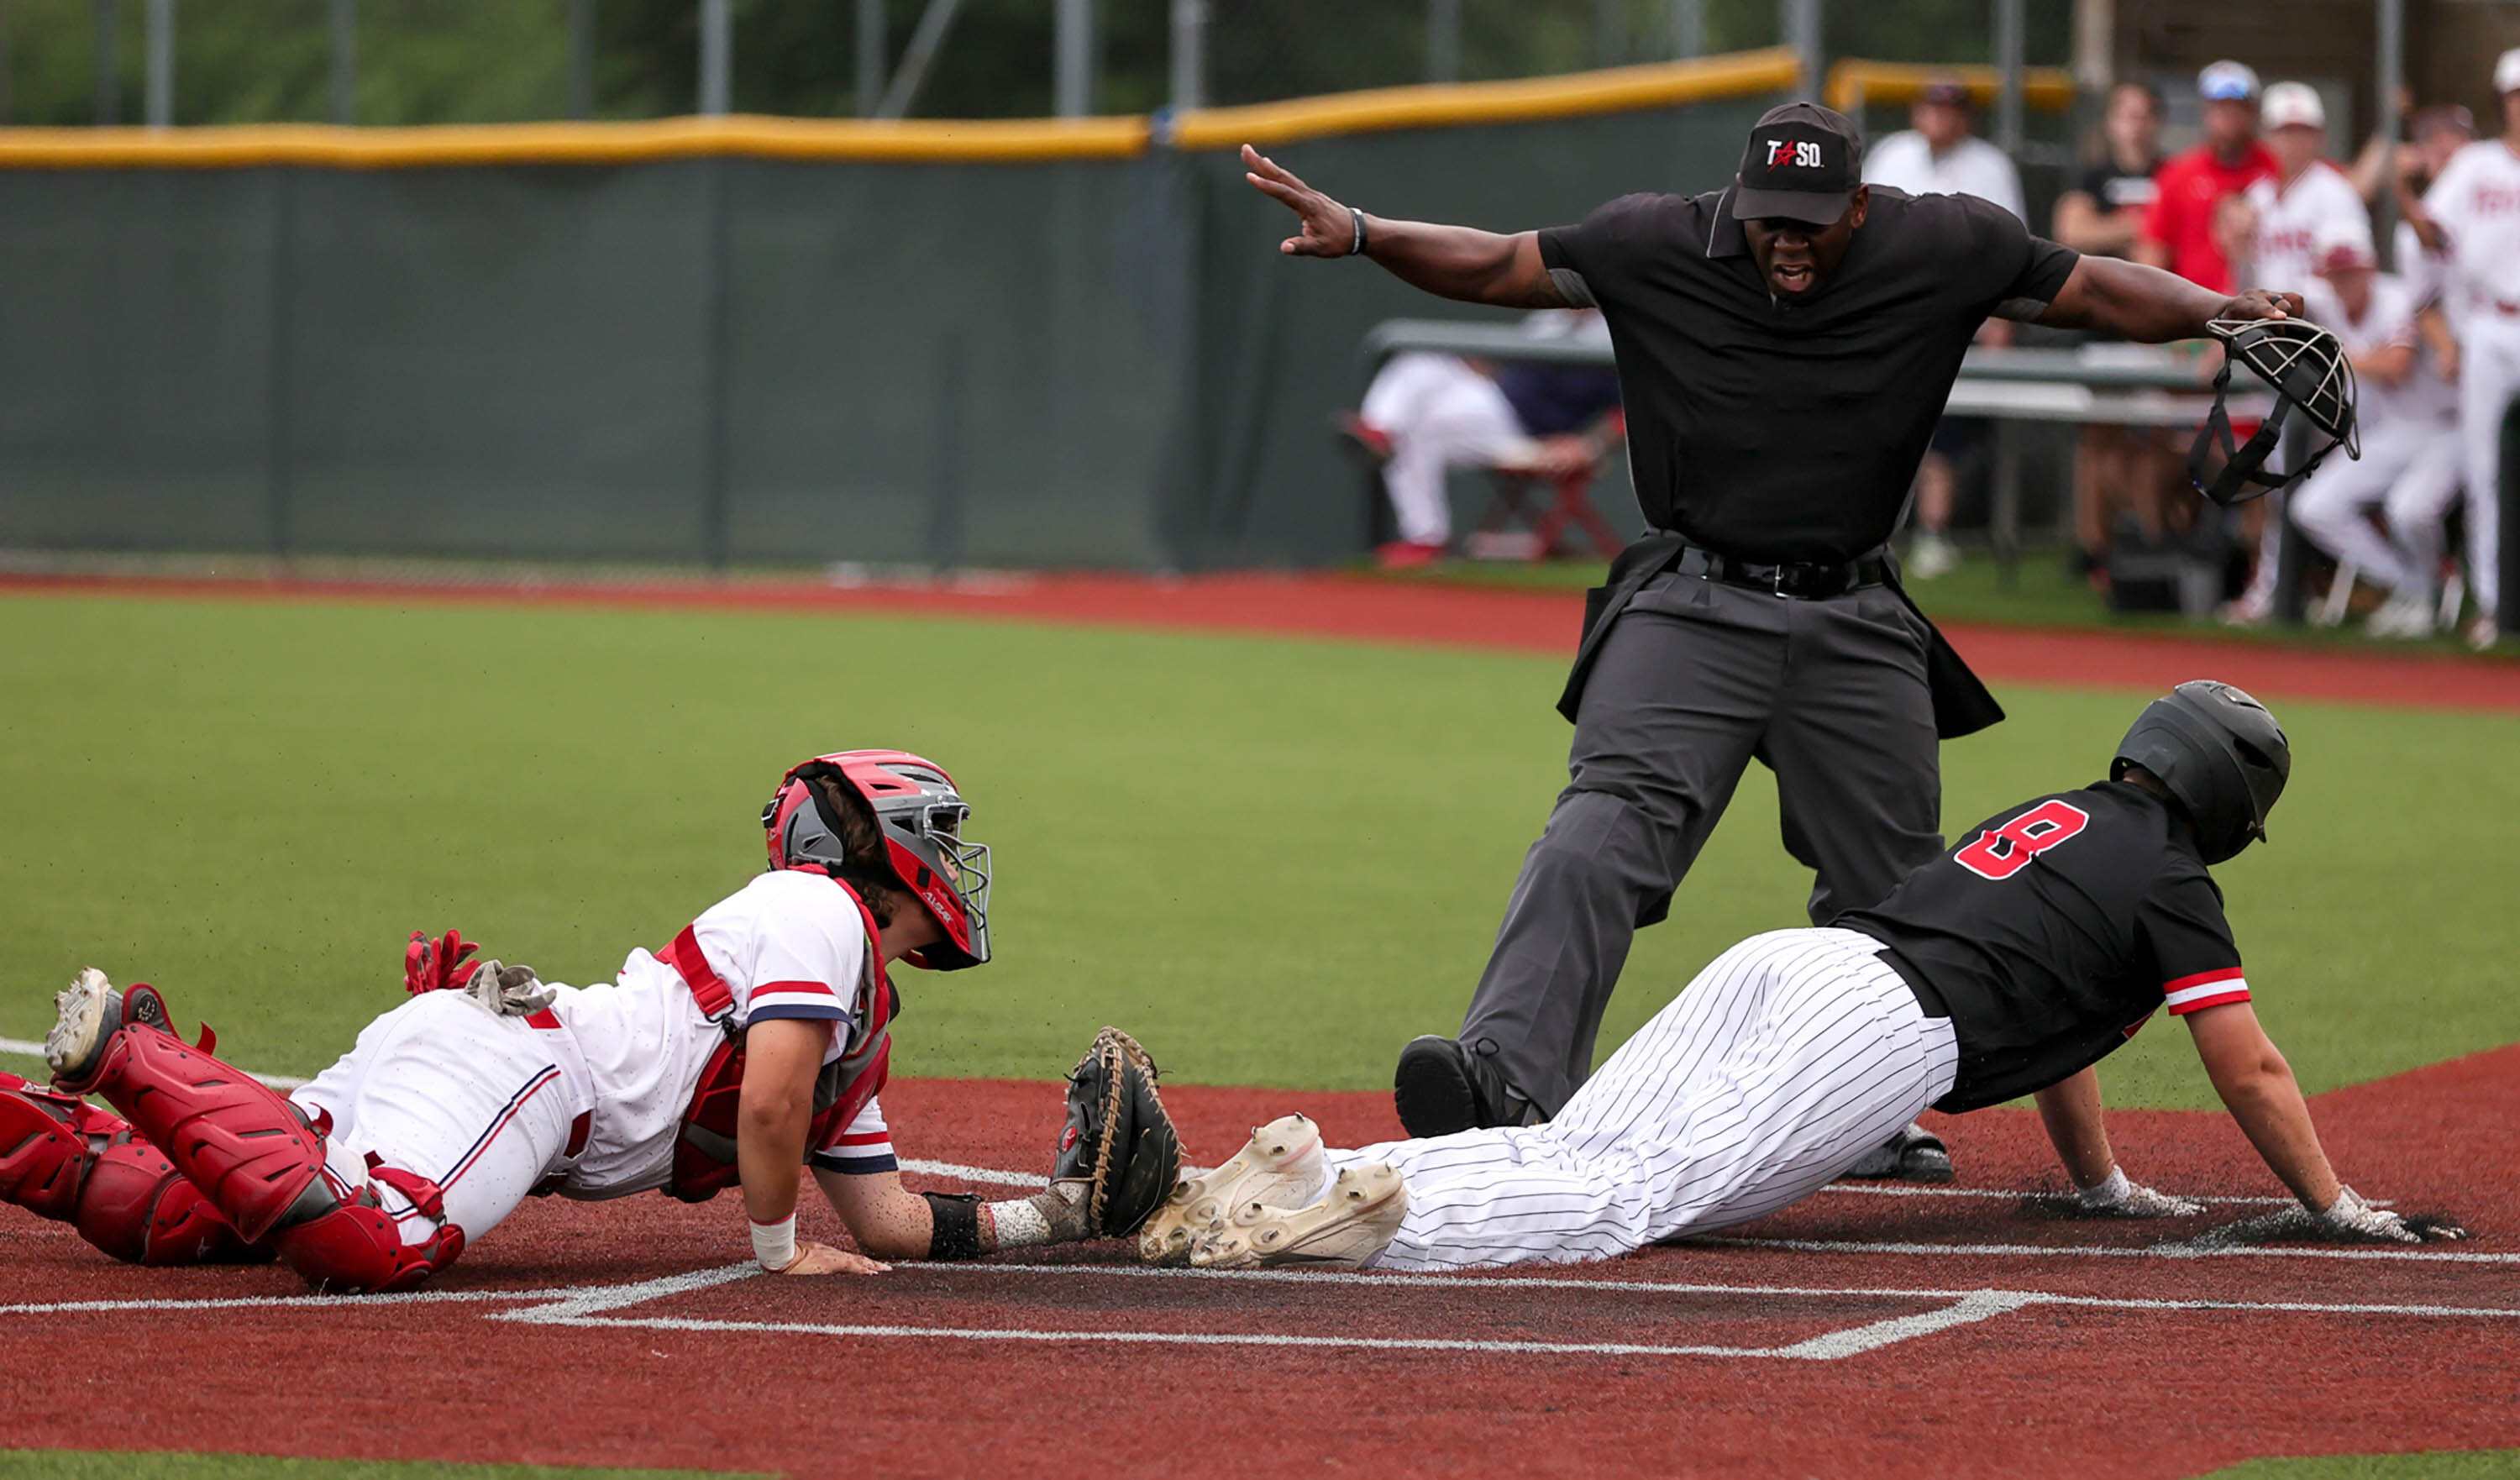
x: 71, y: 1162
x: 246, y: 1149
x: 356, y: 1246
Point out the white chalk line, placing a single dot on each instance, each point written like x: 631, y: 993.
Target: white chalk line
x: 590, y: 1307
x: 24, y: 1049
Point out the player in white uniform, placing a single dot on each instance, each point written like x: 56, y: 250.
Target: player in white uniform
x: 2409, y: 417
x: 2283, y: 216
x: 753, y: 1046
x: 2472, y: 213
x: 2005, y: 966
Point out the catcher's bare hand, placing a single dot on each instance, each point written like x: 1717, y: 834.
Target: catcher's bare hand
x: 1328, y: 230
x: 822, y: 1259
x: 2259, y: 303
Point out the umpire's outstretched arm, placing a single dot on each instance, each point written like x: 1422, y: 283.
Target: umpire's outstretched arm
x: 2151, y: 306
x: 1450, y: 261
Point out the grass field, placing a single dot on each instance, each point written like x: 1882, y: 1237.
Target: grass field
x: 1273, y: 860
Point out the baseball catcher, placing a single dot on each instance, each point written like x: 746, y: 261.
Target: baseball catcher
x: 753, y: 1047
x: 2006, y: 966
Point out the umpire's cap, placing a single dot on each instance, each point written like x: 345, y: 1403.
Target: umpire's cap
x: 2222, y: 756
x: 1803, y: 163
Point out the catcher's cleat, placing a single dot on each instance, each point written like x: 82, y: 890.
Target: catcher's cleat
x: 1915, y: 1155
x: 1279, y: 1166
x: 84, y: 1019
x: 1443, y: 1086
x: 1350, y: 1225
x: 143, y: 1006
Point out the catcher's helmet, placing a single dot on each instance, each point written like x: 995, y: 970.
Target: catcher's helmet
x: 921, y: 817
x: 2306, y: 367
x: 2220, y: 754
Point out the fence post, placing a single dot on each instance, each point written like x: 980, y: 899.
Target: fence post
x: 346, y: 62
x: 581, y: 59
x: 161, y: 64
x: 1074, y: 63
x: 109, y: 64
x: 717, y: 321
x: 717, y: 48
x: 870, y: 58
x: 1190, y: 54
x: 2007, y: 68
x: 1443, y: 40
x: 1688, y: 29
x: 1798, y: 28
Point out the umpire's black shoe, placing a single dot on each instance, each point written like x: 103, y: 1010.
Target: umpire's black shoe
x: 1443, y: 1086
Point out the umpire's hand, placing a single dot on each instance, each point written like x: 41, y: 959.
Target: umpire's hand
x: 1330, y: 228
x: 2259, y: 303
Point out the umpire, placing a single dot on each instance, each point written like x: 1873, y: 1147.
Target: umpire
x: 1784, y: 346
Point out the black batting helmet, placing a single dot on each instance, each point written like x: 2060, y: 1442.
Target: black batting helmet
x: 2221, y: 756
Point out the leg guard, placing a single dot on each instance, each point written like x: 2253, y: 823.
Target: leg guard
x: 347, y: 1241
x: 66, y: 1160
x: 248, y: 1151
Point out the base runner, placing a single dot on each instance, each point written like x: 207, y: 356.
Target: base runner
x: 751, y: 1047
x: 2004, y: 967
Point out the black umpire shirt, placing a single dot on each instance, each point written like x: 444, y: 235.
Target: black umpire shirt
x: 1777, y: 431
x: 2054, y: 932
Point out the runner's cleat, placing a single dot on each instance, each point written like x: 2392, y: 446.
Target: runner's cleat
x: 1350, y: 1225
x: 1915, y: 1155
x: 1280, y: 1166
x: 84, y: 1019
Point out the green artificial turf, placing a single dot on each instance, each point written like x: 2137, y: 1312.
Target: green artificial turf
x: 81, y: 1464
x: 2436, y: 1465
x: 1274, y: 860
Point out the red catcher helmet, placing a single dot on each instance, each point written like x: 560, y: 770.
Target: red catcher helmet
x: 921, y: 817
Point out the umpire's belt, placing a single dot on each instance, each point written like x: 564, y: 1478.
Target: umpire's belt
x: 1806, y: 580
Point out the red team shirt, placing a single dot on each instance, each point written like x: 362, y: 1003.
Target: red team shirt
x: 2186, y: 194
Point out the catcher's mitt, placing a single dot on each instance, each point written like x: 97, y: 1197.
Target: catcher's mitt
x: 1119, y: 1140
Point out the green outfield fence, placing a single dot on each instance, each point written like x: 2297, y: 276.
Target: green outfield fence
x: 1054, y: 343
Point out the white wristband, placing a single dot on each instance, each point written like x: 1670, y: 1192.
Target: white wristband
x: 775, y: 1243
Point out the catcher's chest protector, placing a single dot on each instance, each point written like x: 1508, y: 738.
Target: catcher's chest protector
x: 704, y: 1155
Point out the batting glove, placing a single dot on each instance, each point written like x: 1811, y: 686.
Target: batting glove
x: 2350, y: 1214
x: 2117, y: 1198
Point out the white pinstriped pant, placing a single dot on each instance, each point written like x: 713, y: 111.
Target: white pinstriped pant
x: 1788, y: 1060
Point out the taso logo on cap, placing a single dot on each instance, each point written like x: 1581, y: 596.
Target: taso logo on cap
x: 1794, y: 154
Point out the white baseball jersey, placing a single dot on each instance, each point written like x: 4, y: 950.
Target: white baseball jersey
x: 1971, y: 167
x: 593, y: 1090
x: 2289, y: 217
x: 2388, y: 320
x: 2477, y: 202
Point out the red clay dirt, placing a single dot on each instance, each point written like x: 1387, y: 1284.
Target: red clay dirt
x: 2172, y: 1366
x: 1342, y: 606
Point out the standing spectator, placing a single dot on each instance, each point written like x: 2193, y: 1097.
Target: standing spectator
x: 2102, y: 215
x: 2272, y: 237
x: 1426, y: 414
x: 1937, y: 155
x: 2472, y: 213
x: 2180, y: 231
x: 2434, y: 136
x: 2408, y: 416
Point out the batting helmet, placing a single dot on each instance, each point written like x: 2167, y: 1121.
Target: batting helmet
x: 2221, y: 756
x: 921, y: 816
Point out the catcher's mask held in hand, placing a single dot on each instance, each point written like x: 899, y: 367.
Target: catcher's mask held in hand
x: 2307, y: 367
x: 922, y: 816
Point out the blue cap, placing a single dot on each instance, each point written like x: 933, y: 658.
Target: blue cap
x: 2227, y: 83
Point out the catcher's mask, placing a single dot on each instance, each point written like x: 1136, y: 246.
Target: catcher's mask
x: 2306, y: 367
x: 921, y: 818
x: 2220, y: 754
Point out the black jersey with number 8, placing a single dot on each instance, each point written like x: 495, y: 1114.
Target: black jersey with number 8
x: 2055, y: 930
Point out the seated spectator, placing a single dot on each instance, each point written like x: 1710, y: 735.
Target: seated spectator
x: 1936, y: 155
x: 2410, y: 468
x: 2120, y: 471
x: 1426, y: 414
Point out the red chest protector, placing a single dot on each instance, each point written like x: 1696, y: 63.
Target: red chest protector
x: 704, y: 1155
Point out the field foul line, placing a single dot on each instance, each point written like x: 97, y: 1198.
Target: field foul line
x: 24, y: 1049
x: 2172, y: 1249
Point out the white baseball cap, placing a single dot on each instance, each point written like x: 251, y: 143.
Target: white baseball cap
x: 2227, y: 83
x: 2340, y: 243
x: 2506, y: 71
x: 2292, y: 104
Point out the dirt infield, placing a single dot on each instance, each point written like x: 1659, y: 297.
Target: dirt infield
x: 1962, y: 1331
x: 1338, y: 606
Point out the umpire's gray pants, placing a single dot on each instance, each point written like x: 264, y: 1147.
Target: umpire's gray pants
x: 1694, y: 681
